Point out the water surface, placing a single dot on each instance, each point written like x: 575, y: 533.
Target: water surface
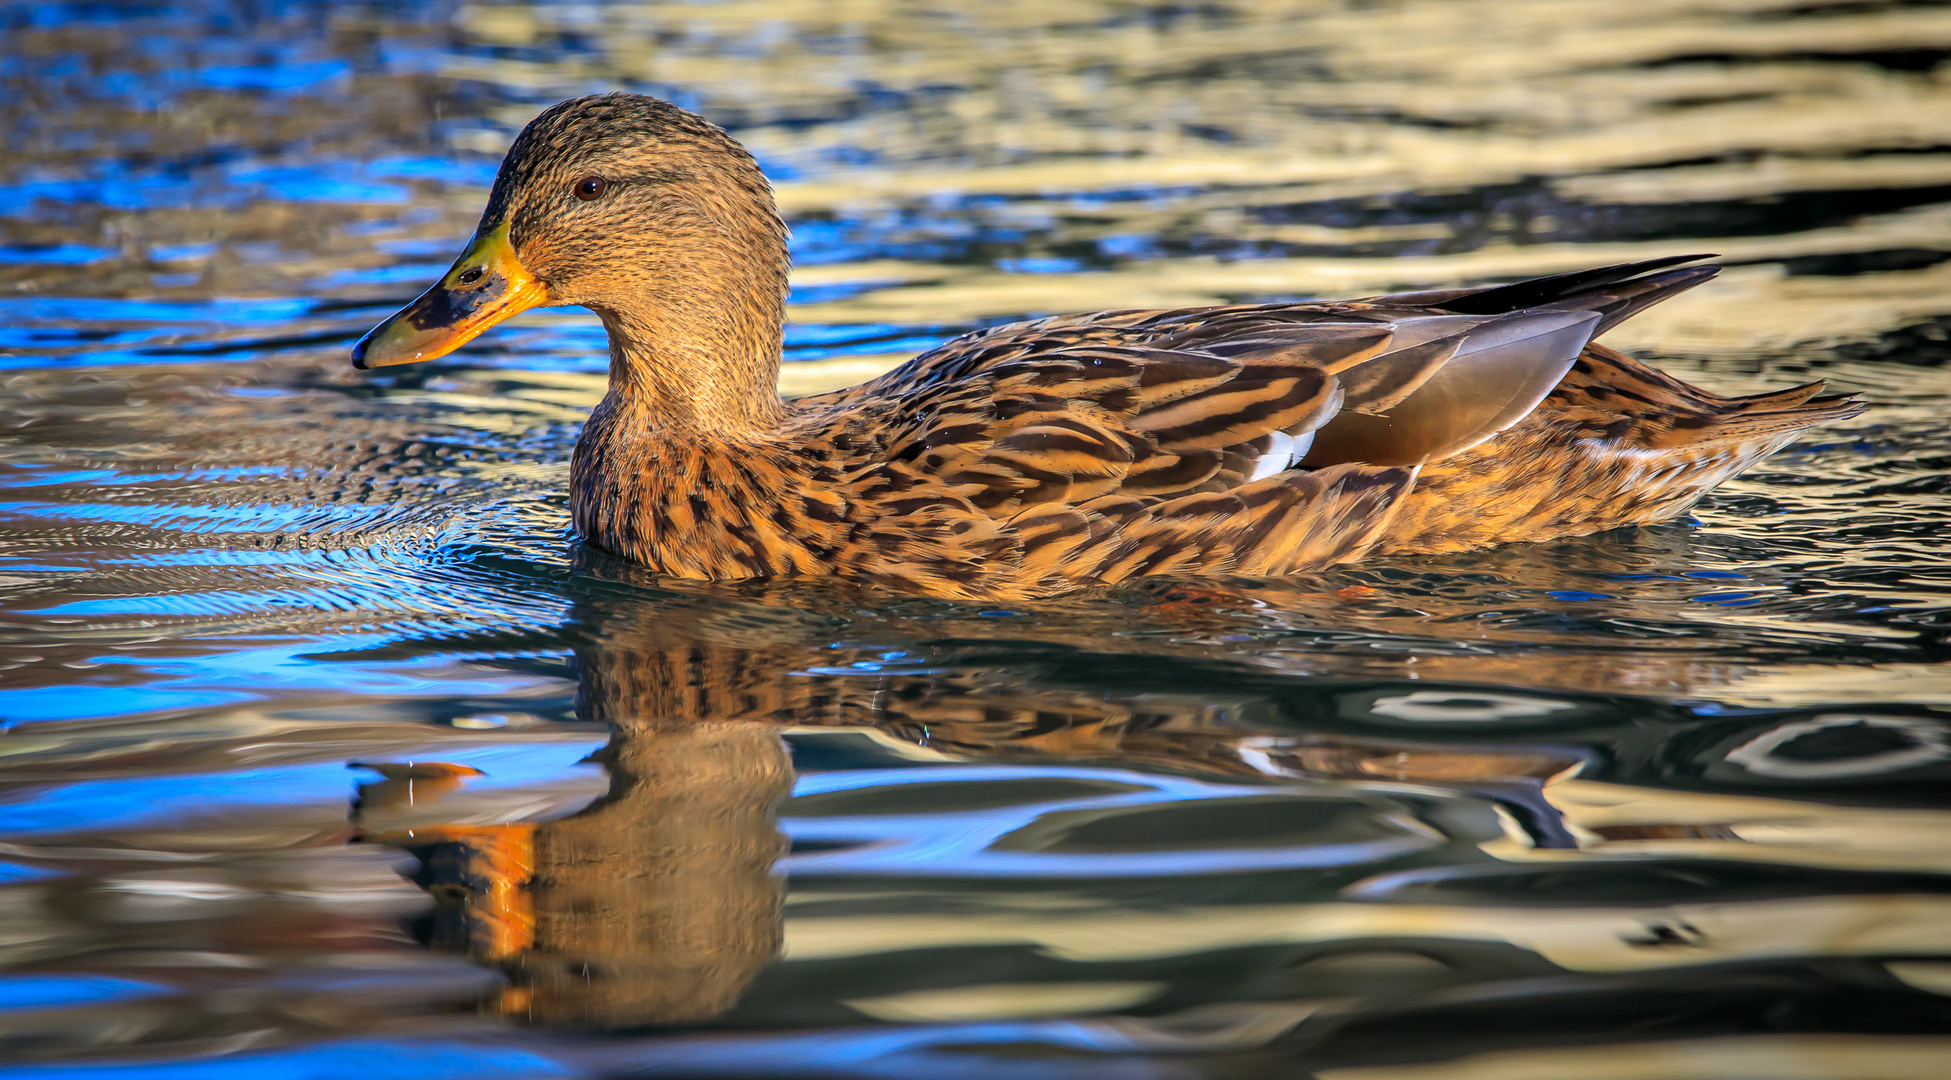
x: 1657, y: 804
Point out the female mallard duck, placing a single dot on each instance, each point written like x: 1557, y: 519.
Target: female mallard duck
x: 1040, y: 457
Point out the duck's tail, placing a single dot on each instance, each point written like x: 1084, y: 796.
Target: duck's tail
x: 1766, y: 417
x: 1616, y: 442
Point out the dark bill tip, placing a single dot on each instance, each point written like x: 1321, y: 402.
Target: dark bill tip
x: 486, y: 285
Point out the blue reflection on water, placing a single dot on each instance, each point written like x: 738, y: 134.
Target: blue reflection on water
x: 131, y: 802
x: 217, y: 678
x: 972, y: 843
x: 299, y: 184
x: 176, y: 185
x: 97, y: 331
x: 900, y: 1053
x: 470, y: 171
x: 368, y: 1059
x: 166, y: 313
x: 183, y: 517
x: 54, y: 991
x: 76, y: 702
x: 403, y: 274
x: 283, y: 76
x: 53, y: 254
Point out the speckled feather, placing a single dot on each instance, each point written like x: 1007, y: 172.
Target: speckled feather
x: 1041, y: 457
x: 1037, y: 458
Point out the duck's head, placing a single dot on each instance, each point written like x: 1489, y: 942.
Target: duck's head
x: 630, y: 206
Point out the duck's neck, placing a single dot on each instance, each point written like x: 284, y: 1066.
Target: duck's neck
x: 694, y: 375
x: 700, y: 361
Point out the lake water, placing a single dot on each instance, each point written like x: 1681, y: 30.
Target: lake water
x: 327, y: 752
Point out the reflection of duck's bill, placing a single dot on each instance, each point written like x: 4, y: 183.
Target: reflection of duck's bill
x: 486, y: 285
x: 479, y: 877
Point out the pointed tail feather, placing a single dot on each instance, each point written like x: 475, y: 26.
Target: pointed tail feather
x: 1616, y: 292
x: 1764, y: 417
x: 1537, y: 292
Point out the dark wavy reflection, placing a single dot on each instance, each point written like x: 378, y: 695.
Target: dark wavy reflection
x: 758, y: 832
x: 994, y: 867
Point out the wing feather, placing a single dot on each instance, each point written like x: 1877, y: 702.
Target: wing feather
x: 1255, y: 439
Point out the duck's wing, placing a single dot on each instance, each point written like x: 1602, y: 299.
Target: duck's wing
x: 1077, y: 452
x: 1254, y: 439
x: 1165, y: 403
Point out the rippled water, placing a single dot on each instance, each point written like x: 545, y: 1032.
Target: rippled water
x: 1661, y: 804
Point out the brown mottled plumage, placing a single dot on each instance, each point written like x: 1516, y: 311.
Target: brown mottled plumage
x: 1040, y: 457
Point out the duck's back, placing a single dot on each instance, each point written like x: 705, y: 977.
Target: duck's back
x: 1278, y: 438
x: 1040, y: 457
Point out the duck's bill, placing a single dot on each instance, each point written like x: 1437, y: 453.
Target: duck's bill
x: 486, y: 285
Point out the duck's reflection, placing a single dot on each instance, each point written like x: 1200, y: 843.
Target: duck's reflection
x: 657, y: 904
x: 661, y: 902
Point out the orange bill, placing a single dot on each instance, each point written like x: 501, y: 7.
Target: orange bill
x: 485, y: 285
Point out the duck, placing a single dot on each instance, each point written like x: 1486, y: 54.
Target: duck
x: 1037, y: 458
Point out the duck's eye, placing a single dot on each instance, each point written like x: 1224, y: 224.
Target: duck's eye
x: 590, y: 187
